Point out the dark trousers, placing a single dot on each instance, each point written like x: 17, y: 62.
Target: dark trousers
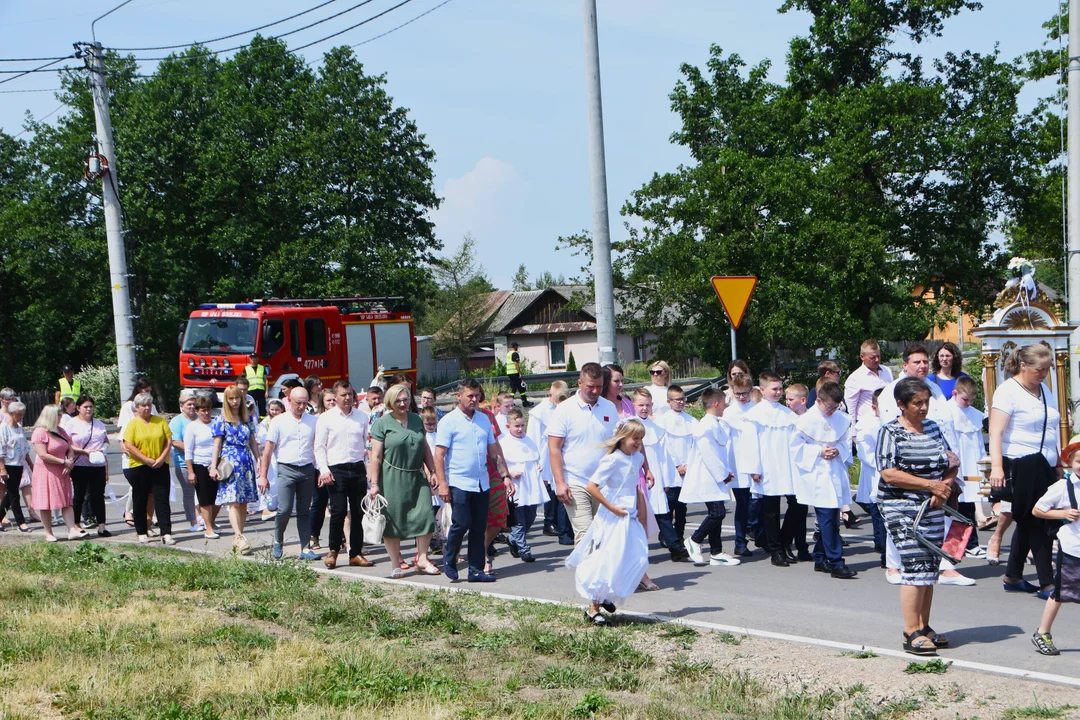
x: 828, y: 550
x: 88, y: 484
x: 1030, y: 534
x: 11, y: 495
x: 710, y: 527
x: 968, y: 511
x: 469, y: 516
x: 755, y: 525
x: 742, y: 516
x: 562, y: 520
x: 770, y: 508
x: 794, y: 527
x: 517, y: 385
x: 320, y: 498
x: 259, y: 396
x: 677, y: 512
x: 878, y: 523
x: 668, y: 538
x: 144, y: 481
x: 348, y: 489
x: 524, y: 517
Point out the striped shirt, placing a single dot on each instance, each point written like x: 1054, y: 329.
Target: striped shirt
x: 920, y: 454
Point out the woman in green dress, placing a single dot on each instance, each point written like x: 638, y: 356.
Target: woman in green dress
x: 399, y: 454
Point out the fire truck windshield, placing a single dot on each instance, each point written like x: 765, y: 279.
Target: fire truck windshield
x: 221, y: 336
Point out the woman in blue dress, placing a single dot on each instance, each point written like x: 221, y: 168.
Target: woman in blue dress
x: 946, y: 367
x: 234, y: 440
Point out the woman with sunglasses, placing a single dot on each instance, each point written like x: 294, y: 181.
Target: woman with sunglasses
x: 660, y: 375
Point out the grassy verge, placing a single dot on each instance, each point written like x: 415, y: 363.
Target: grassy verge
x: 89, y: 633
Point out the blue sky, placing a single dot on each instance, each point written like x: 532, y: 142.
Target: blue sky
x: 498, y: 88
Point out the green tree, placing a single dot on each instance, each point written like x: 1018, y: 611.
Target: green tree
x: 861, y: 177
x: 546, y: 280
x: 460, y: 310
x: 520, y: 283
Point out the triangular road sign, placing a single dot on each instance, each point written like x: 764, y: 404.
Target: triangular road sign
x: 734, y: 293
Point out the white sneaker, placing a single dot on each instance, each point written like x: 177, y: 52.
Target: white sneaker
x: 892, y: 578
x: 168, y: 540
x: 695, y: 551
x: 961, y: 580
x: 724, y: 559
x: 195, y: 528
x: 976, y: 552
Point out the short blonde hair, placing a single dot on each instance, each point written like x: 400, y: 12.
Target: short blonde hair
x: 49, y: 418
x: 392, y: 393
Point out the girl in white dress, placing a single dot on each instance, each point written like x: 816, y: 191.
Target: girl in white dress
x: 611, y: 558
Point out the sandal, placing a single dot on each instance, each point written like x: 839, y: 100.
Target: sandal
x: 647, y: 588
x: 851, y: 520
x: 919, y: 644
x: 596, y: 619
x: 429, y: 569
x: 397, y: 573
x: 941, y: 640
x: 404, y: 565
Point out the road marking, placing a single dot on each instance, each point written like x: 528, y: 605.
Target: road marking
x: 702, y: 624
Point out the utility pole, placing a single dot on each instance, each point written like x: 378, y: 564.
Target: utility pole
x: 114, y: 223
x: 1074, y: 202
x: 601, y: 234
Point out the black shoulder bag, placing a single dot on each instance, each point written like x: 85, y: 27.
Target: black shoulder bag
x: 1008, y: 465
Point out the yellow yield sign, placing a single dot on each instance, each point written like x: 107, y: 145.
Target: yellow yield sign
x: 734, y: 293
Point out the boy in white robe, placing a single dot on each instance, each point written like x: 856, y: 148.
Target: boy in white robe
x: 968, y: 424
x: 866, y: 432
x: 768, y: 437
x: 711, y: 470
x: 795, y: 398
x: 665, y: 474
x: 678, y: 426
x: 556, y: 522
x: 821, y: 446
x: 504, y: 403
x: 523, y: 465
x: 746, y: 521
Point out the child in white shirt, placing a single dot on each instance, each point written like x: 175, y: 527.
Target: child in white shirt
x: 866, y: 432
x: 708, y: 477
x: 742, y: 392
x: 770, y: 427
x: 665, y: 474
x: 678, y: 427
x: 523, y: 464
x: 1060, y: 503
x: 504, y: 403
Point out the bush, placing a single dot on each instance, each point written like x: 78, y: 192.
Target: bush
x: 103, y: 384
x: 571, y: 363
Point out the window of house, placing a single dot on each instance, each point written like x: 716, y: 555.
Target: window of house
x: 556, y: 353
x: 315, y: 337
x: 639, y: 348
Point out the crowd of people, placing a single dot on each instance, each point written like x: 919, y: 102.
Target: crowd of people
x: 600, y: 469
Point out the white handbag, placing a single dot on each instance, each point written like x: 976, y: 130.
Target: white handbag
x: 374, y: 522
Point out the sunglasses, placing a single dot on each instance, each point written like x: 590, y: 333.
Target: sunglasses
x: 656, y: 372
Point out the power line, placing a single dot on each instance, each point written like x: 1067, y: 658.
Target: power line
x: 283, y: 52
x: 225, y: 37
x: 30, y: 59
x: 393, y: 29
x: 43, y: 119
x: 40, y: 68
x: 9, y: 92
x: 276, y: 37
x: 102, y: 17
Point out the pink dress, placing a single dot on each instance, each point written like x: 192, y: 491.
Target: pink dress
x: 51, y: 486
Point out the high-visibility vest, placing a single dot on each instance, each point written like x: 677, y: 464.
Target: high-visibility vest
x: 256, y: 377
x: 72, y: 390
x: 511, y: 366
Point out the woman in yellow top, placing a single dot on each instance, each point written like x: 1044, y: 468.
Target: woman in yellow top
x: 148, y: 442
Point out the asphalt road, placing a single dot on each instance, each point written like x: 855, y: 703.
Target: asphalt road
x: 984, y: 623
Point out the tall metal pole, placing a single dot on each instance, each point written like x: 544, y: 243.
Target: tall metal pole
x: 114, y: 223
x: 1073, y: 204
x: 734, y: 352
x: 601, y: 234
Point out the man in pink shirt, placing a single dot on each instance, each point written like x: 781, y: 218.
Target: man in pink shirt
x: 868, y: 377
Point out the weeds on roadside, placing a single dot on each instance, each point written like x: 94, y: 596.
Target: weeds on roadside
x: 936, y: 666
x: 1037, y: 710
x: 863, y: 654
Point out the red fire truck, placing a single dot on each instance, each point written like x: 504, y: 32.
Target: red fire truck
x: 328, y: 337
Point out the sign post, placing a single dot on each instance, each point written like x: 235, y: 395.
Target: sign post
x: 734, y: 293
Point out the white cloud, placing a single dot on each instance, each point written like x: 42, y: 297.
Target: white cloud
x: 488, y: 202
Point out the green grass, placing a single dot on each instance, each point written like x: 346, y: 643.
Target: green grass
x: 862, y: 654
x: 1037, y: 710
x: 936, y: 666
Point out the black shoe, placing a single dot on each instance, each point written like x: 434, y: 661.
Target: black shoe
x: 502, y: 538
x: 492, y: 551
x: 527, y: 403
x: 817, y: 536
x: 780, y: 560
x: 609, y: 606
x: 566, y: 541
x: 527, y: 557
x: 680, y: 556
x: 844, y: 542
x: 104, y: 533
x: 514, y: 551
x: 883, y: 565
x: 744, y: 552
x: 551, y: 532
x: 844, y: 573
x: 818, y: 567
x: 804, y: 556
x: 790, y: 556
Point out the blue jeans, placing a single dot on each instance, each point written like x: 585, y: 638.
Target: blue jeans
x: 742, y: 515
x: 677, y: 512
x: 710, y: 527
x: 828, y: 550
x: 668, y: 538
x: 525, y: 516
x: 468, y: 515
x: 562, y: 520
x: 320, y: 498
x: 878, y: 522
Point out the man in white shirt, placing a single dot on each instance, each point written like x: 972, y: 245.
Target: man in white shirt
x: 340, y: 451
x: 577, y: 431
x: 464, y: 442
x: 291, y: 438
x: 860, y: 385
